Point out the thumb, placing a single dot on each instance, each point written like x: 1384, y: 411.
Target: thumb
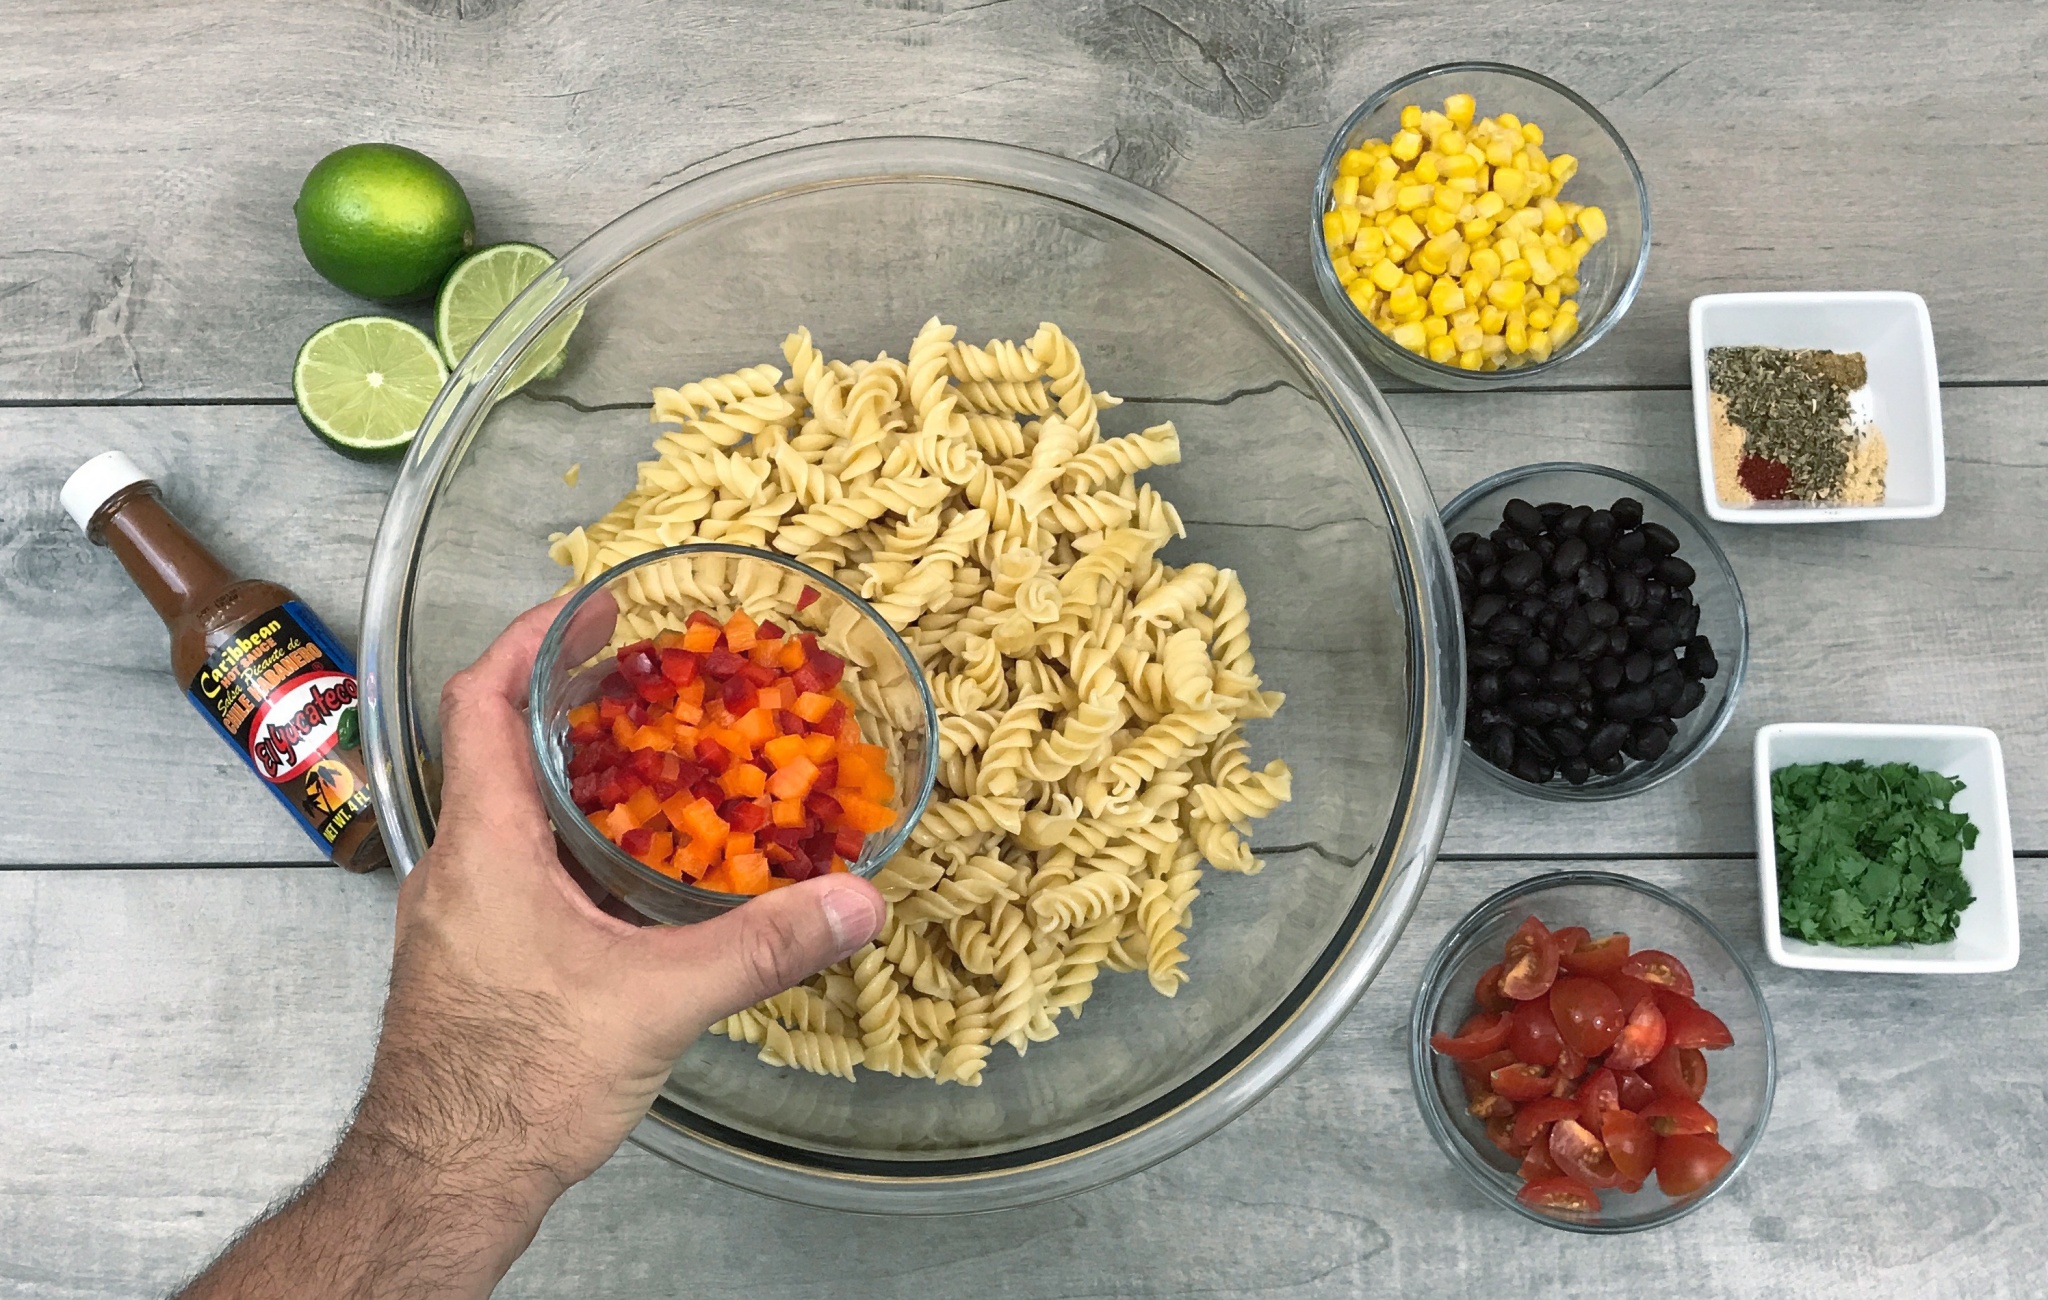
x: 771, y: 942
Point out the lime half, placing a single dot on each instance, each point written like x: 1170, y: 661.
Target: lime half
x: 365, y: 383
x: 480, y: 287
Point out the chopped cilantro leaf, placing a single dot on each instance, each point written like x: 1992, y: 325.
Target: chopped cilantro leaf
x: 1869, y: 855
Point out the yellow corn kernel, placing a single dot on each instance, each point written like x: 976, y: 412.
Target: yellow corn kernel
x: 1592, y: 224
x: 1433, y: 259
x: 1345, y: 191
x: 1563, y: 168
x: 1459, y: 109
x: 1384, y: 170
x: 1384, y: 192
x: 1446, y: 297
x: 1404, y: 234
x: 1508, y: 182
x: 1580, y: 247
x: 1387, y: 274
x: 1428, y: 168
x: 1436, y: 326
x: 1442, y: 350
x: 1461, y: 166
x: 1567, y: 308
x: 1433, y: 123
x: 1418, y: 313
x: 1515, y: 269
x: 1333, y: 228
x: 1561, y: 333
x: 1487, y: 262
x: 1353, y: 219
x: 1346, y: 269
x: 1465, y: 186
x: 1493, y: 346
x: 1360, y: 294
x: 1541, y: 315
x: 1355, y: 162
x: 1402, y: 299
x: 1365, y: 259
x: 1410, y: 197
x: 1471, y: 360
x: 1539, y: 345
x: 1516, y: 331
x: 1491, y: 205
x: 1499, y: 153
x: 1540, y: 270
x: 1411, y: 117
x: 1385, y: 216
x: 1477, y: 229
x: 1535, y: 160
x: 1532, y: 133
x: 1508, y: 247
x: 1528, y: 221
x: 1407, y: 144
x: 1553, y: 216
x: 1368, y: 238
x: 1437, y: 221
x: 1451, y: 141
x: 1492, y: 319
x: 1568, y: 285
x: 1467, y: 337
x: 1507, y: 293
x: 1461, y: 257
x: 1421, y: 280
x: 1508, y: 122
x: 1410, y: 335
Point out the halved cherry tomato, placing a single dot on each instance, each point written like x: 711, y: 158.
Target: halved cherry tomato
x: 1567, y: 939
x: 1678, y: 1072
x: 1581, y: 1155
x: 1499, y: 1130
x: 1480, y: 1034
x: 1688, y: 1024
x: 1570, y: 1065
x: 1487, y: 992
x: 1587, y: 1012
x: 1636, y: 1091
x: 1631, y: 1144
x: 1532, y: 1035
x: 1537, y: 1164
x: 1679, y: 1117
x: 1559, y: 1194
x: 1530, y: 964
x: 1486, y: 1105
x: 1641, y: 1038
x: 1596, y: 957
x: 1659, y: 968
x: 1628, y: 988
x: 1533, y: 1119
x: 1687, y: 1163
x: 1478, y: 1075
x: 1521, y: 1081
x: 1600, y: 1093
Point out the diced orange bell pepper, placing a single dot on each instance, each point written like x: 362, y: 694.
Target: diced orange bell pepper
x: 764, y: 652
x: 700, y: 821
x: 701, y: 637
x: 622, y: 731
x: 652, y: 737
x: 693, y: 859
x: 839, y: 863
x: 659, y: 849
x: 861, y: 812
x: 758, y: 726
x: 787, y: 812
x: 583, y: 715
x: 778, y: 695
x: 818, y: 746
x: 669, y: 641
x: 812, y: 706
x: 643, y: 805
x: 791, y: 656
x: 743, y: 781
x: 617, y: 822
x: 794, y: 780
x: 676, y: 807
x: 739, y: 632
x: 738, y: 844
x: 718, y: 879
x: 732, y: 741
x: 784, y: 750
x: 749, y: 873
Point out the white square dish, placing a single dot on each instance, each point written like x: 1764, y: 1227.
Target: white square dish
x: 1896, y: 337
x: 1988, y: 936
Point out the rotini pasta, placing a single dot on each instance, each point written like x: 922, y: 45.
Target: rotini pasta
x: 1091, y: 698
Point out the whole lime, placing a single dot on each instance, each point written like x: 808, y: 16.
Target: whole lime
x: 383, y: 221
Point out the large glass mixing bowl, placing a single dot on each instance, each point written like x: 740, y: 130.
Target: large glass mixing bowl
x: 1294, y: 474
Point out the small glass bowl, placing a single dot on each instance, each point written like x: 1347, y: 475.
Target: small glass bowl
x: 1741, y: 1079
x: 1723, y: 618
x: 891, y: 698
x: 1608, y: 177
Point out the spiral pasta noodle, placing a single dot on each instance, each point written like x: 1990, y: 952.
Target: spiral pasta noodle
x: 1091, y: 697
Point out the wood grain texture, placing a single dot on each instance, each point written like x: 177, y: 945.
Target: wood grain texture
x: 167, y: 1080
x: 1937, y: 621
x: 146, y: 240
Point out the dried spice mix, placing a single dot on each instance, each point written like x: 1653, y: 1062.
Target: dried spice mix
x: 1784, y: 428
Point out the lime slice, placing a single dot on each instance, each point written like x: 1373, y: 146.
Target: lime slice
x: 364, y: 384
x: 478, y: 289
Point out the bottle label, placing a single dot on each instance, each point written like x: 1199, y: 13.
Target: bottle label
x: 283, y: 692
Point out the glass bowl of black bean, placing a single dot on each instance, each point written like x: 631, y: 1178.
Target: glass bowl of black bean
x: 1605, y: 634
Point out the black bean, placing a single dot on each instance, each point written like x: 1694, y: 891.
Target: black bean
x: 1522, y: 517
x: 1607, y: 674
x: 1688, y: 622
x: 1508, y: 629
x: 1680, y: 596
x: 1628, y: 512
x: 1533, y: 710
x: 1628, y: 590
x: 1486, y: 688
x: 1606, y: 740
x: 1531, y: 740
x: 1509, y: 541
x: 1547, y: 621
x: 1564, y: 674
x: 1466, y: 574
x: 1647, y: 742
x: 1575, y: 770
x: 1465, y: 602
x: 1599, y: 529
x: 1666, y: 687
x: 1552, y: 511
x: 1463, y: 542
x: 1520, y: 681
x: 1638, y: 667
x: 1601, y: 614
x: 1533, y: 654
x: 1499, y: 746
x: 1563, y: 596
x: 1611, y: 764
x: 1659, y: 539
x: 1484, y: 552
x: 1574, y: 522
x: 1545, y: 546
x: 1669, y: 727
x: 1486, y: 609
x: 1487, y: 656
x: 1700, y: 660
x: 1629, y: 705
x: 1637, y: 624
x: 1655, y: 595
x: 1532, y: 769
x: 1593, y: 584
x: 1675, y: 571
x: 1628, y: 546
x: 1529, y: 607
x: 1489, y: 578
x: 1566, y: 559
x: 1694, y: 695
x: 1583, y: 693
x: 1642, y: 566
x: 1488, y: 718
x: 1523, y: 571
x: 1564, y: 742
x: 1662, y: 637
x: 1617, y: 640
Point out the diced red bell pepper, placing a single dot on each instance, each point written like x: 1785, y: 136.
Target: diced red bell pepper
x: 799, y: 866
x: 615, y: 686
x: 587, y: 732
x: 637, y: 714
x: 847, y: 842
x: 722, y: 663
x: 739, y: 695
x: 637, y: 840
x: 713, y: 756
x: 823, y: 806
x: 583, y: 793
x: 768, y: 631
x: 679, y: 666
x: 647, y: 762
x: 759, y: 674
x: 834, y: 720
x: 744, y: 815
x: 785, y: 721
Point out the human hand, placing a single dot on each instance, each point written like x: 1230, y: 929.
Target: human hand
x: 526, y: 1030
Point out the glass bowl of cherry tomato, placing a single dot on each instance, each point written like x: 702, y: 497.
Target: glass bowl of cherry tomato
x: 1592, y: 1053
x: 711, y: 722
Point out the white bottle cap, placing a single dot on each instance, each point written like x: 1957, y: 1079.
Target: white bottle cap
x: 93, y: 482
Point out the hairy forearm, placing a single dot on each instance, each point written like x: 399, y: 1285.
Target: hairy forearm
x: 380, y: 1222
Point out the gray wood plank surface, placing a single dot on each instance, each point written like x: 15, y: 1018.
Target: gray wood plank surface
x: 166, y: 1078
x: 146, y: 239
x: 1938, y: 621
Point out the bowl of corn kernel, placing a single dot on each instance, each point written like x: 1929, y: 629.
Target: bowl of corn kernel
x: 1477, y: 225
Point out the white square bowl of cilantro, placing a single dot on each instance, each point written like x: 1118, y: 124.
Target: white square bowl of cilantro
x: 1867, y: 881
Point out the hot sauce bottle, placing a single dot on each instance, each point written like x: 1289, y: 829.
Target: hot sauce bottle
x: 260, y: 666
